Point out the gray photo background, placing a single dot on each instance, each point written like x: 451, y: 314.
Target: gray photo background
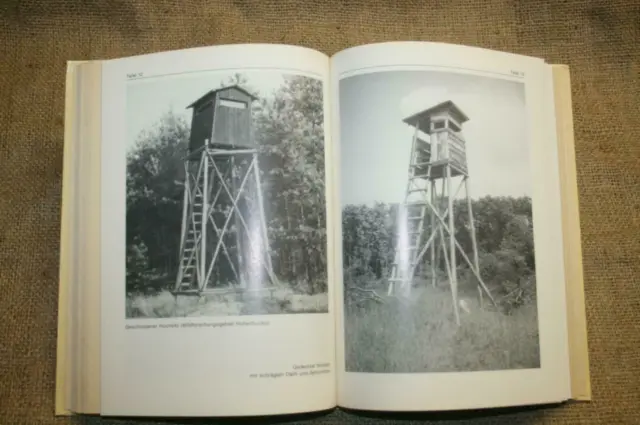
x: 288, y: 127
x: 387, y: 334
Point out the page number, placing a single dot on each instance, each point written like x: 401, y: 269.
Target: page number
x: 134, y: 75
x: 518, y: 74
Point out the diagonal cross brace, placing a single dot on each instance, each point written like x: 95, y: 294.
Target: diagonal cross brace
x: 234, y: 208
x: 433, y: 233
x: 217, y: 229
x: 234, y: 200
x: 464, y: 255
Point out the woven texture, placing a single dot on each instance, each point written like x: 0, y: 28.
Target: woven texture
x: 599, y: 40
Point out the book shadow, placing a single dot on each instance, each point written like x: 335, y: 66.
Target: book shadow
x: 222, y: 420
x: 526, y: 414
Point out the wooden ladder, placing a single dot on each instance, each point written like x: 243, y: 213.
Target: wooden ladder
x: 189, y: 258
x: 415, y: 229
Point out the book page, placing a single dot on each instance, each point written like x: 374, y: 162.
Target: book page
x: 78, y: 339
x: 576, y: 317
x: 449, y: 230
x: 215, y: 285
x: 65, y: 348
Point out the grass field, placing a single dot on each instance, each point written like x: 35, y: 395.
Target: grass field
x: 280, y: 301
x: 421, y: 335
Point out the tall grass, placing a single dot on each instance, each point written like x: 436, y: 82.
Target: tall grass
x: 421, y: 335
x: 280, y: 301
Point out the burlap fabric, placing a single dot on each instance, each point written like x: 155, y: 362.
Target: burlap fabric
x: 599, y: 40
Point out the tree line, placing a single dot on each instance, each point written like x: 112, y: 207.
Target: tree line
x: 504, y: 235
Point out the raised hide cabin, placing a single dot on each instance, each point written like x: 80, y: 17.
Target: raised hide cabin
x: 222, y: 119
x: 442, y: 141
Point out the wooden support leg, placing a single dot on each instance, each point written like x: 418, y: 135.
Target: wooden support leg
x: 266, y: 248
x: 432, y: 223
x: 203, y: 238
x: 238, y: 233
x: 472, y: 229
x: 452, y: 247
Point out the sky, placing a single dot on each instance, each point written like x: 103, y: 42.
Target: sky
x: 375, y: 144
x: 149, y: 99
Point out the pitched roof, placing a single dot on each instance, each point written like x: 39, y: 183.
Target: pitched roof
x: 211, y: 92
x: 447, y: 105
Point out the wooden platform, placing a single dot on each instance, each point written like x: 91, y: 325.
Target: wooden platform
x: 439, y: 169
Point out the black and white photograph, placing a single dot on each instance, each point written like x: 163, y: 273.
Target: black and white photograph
x: 437, y: 229
x: 226, y: 210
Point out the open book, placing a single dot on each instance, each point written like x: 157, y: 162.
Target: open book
x: 264, y: 229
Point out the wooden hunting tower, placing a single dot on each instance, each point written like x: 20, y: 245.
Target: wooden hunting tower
x: 426, y: 227
x: 224, y: 234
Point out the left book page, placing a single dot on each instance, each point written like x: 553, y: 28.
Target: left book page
x: 78, y: 347
x: 215, y: 252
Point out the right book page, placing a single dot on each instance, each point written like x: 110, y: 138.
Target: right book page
x: 576, y: 317
x: 450, y: 229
